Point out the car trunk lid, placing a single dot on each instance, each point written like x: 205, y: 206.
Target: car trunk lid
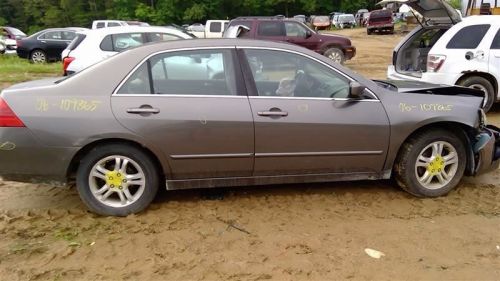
x: 430, y: 12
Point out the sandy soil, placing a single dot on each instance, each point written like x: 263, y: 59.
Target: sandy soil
x: 290, y: 232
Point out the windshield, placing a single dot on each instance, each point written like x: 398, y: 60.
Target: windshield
x: 344, y: 18
x: 322, y: 19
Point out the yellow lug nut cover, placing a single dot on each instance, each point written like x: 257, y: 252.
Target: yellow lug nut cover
x: 114, y: 178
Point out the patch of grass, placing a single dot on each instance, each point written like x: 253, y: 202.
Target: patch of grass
x: 67, y: 234
x: 14, y: 69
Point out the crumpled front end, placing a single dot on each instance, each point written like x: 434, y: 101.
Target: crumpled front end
x: 486, y: 149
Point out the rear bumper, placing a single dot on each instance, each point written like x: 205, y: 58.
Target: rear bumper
x: 24, y: 158
x: 23, y: 53
x: 380, y: 26
x: 487, y: 151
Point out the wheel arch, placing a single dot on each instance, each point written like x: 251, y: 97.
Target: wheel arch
x: 75, y: 161
x: 464, y: 131
x: 485, y: 75
x: 329, y: 45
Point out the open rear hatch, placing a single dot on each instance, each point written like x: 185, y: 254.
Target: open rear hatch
x: 429, y: 12
x: 435, y: 17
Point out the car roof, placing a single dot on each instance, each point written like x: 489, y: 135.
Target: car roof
x: 481, y: 19
x: 128, y: 28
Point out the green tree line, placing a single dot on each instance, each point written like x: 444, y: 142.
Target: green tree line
x: 33, y: 15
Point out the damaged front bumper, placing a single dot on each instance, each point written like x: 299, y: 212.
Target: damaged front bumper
x: 486, y: 149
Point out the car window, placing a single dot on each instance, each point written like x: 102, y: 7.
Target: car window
x: 107, y: 44
x: 200, y: 72
x: 468, y: 37
x: 496, y: 41
x: 295, y: 29
x: 138, y: 83
x: 68, y: 35
x: 100, y: 25
x: 278, y: 73
x: 51, y: 35
x: 111, y: 24
x: 215, y: 27
x: 159, y: 36
x: 126, y: 40
x: 271, y: 28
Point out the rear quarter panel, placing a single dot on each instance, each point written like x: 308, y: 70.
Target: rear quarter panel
x: 77, y: 111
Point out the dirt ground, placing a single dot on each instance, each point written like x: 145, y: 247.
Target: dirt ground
x: 288, y: 232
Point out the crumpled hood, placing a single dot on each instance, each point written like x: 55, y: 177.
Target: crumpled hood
x: 418, y: 87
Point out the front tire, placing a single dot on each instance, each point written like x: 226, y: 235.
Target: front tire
x: 38, y: 56
x: 431, y: 163
x: 335, y: 54
x: 480, y: 83
x: 117, y: 180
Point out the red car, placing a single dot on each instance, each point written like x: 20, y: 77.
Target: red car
x: 380, y: 20
x: 338, y: 48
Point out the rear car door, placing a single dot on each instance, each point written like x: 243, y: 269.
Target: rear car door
x: 53, y: 43
x: 494, y: 62
x: 271, y: 30
x: 192, y: 105
x: 304, y: 121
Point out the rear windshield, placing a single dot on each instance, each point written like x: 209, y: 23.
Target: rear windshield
x: 78, y: 39
x: 16, y: 31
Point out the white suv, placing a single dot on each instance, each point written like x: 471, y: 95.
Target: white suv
x: 446, y: 49
x: 92, y: 46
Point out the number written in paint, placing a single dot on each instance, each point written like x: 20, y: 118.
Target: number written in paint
x: 74, y: 105
x: 426, y: 107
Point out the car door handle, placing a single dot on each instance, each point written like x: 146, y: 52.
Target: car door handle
x: 143, y: 110
x: 273, y: 113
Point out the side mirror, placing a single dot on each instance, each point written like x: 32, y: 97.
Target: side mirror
x: 308, y: 33
x: 356, y: 90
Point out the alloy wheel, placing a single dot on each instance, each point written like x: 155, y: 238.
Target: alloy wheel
x: 117, y: 181
x: 436, y: 165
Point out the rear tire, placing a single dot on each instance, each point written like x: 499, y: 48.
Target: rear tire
x: 431, y: 163
x: 38, y: 56
x: 483, y: 84
x: 117, y: 188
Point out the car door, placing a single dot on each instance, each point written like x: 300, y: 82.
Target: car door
x: 494, y: 62
x: 298, y: 34
x: 52, y: 43
x: 192, y: 105
x: 305, y: 123
x: 271, y: 30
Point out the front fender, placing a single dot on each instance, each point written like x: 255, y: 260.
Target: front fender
x: 411, y: 113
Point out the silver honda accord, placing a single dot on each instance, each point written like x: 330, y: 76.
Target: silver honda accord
x: 233, y: 112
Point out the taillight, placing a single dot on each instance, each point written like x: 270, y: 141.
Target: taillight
x: 66, y: 62
x: 434, y: 62
x: 7, y: 117
x: 18, y: 43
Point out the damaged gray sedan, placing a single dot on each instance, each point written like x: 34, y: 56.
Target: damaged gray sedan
x: 233, y: 112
